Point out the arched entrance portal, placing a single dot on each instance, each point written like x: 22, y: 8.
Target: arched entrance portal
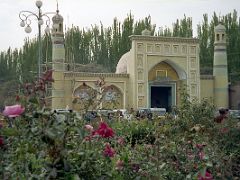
x: 163, y: 84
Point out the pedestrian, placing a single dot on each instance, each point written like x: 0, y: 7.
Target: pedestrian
x: 223, y: 114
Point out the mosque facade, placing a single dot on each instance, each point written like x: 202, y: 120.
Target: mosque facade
x: 152, y: 74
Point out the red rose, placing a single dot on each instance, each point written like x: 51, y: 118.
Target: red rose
x: 1, y: 142
x: 47, y: 76
x: 17, y: 98
x: 104, y: 131
x: 108, y: 151
x: 224, y: 130
x: 207, y: 176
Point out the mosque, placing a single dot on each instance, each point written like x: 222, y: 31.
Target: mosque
x: 150, y: 75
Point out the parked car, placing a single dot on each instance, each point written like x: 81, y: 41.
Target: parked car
x: 144, y: 113
x: 90, y: 115
x: 62, y: 111
x: 104, y: 112
x: 235, y: 114
x: 122, y: 113
x: 158, y: 112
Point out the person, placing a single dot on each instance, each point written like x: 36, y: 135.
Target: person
x: 131, y: 111
x: 120, y: 115
x: 68, y: 67
x: 110, y: 116
x: 223, y: 114
x: 131, y: 114
x: 138, y: 115
x: 150, y: 115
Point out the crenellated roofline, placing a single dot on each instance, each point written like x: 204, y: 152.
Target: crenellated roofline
x: 164, y: 39
x: 84, y: 74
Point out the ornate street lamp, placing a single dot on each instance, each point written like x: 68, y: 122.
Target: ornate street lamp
x: 26, y: 17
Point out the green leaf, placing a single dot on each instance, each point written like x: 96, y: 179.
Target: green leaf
x: 189, y: 176
x: 203, y: 171
x: 162, y: 166
x: 33, y: 100
x: 50, y: 134
x: 10, y: 132
x: 209, y: 164
x: 75, y: 177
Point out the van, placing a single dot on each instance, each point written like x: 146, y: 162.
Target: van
x: 158, y: 112
x: 235, y: 114
x: 62, y: 111
x: 122, y: 113
x: 144, y: 113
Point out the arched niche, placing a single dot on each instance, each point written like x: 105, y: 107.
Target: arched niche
x: 112, y: 98
x: 162, y: 71
x: 168, y: 64
x: 84, y: 98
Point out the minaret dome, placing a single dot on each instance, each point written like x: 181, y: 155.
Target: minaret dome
x: 220, y: 34
x: 57, y: 20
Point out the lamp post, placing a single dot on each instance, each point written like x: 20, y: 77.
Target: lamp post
x: 26, y: 17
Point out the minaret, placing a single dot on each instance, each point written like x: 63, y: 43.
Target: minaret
x: 58, y: 59
x: 220, y: 68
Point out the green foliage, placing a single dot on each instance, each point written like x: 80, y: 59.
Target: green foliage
x: 7, y: 91
x: 44, y: 145
x: 105, y: 45
x: 206, y: 37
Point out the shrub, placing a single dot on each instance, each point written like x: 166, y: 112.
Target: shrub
x: 44, y: 145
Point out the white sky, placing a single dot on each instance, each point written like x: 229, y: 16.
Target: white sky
x: 83, y: 13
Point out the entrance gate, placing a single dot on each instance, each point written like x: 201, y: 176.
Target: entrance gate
x: 162, y: 96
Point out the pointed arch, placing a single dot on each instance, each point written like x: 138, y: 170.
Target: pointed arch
x: 181, y: 73
x: 83, y: 97
x: 112, y: 97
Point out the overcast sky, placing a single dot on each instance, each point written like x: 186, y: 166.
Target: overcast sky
x: 84, y: 13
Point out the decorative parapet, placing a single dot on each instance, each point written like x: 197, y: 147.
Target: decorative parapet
x: 84, y: 74
x: 165, y: 39
x: 205, y: 77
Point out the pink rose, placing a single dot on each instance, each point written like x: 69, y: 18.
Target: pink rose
x: 190, y: 155
x: 120, y: 141
x: 88, y: 127
x: 119, y: 165
x: 200, y: 146
x: 201, y: 155
x: 13, y: 111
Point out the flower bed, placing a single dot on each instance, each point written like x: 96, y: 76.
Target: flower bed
x: 43, y: 145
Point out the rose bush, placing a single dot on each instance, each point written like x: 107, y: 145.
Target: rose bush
x: 43, y: 145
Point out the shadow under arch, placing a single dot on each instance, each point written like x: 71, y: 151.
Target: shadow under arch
x: 182, y: 75
x: 80, y: 86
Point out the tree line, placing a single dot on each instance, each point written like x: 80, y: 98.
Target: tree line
x: 105, y: 45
